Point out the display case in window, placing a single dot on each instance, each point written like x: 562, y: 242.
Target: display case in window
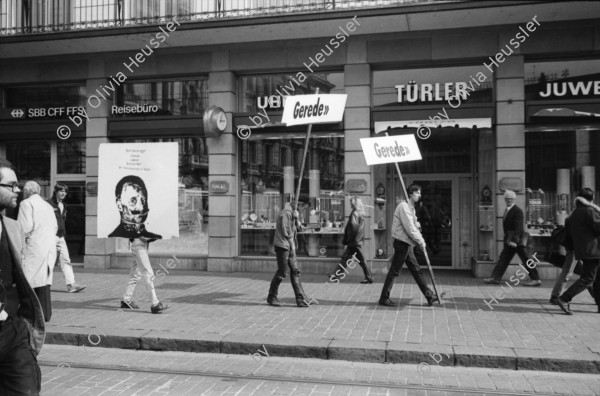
x: 487, y: 214
x: 540, y: 213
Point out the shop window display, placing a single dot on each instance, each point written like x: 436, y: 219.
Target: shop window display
x: 558, y: 165
x: 193, y: 200
x: 270, y: 171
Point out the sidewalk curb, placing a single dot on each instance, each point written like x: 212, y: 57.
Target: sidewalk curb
x: 585, y: 362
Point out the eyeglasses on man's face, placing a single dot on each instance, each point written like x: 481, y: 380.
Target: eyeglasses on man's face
x: 14, y: 187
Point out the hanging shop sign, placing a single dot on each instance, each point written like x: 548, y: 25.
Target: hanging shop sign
x: 313, y: 109
x: 384, y: 150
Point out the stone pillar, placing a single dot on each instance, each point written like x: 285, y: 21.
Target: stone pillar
x: 357, y: 122
x: 222, y: 166
x: 510, y: 131
x: 97, y: 250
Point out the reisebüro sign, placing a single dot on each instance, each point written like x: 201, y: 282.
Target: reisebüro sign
x: 383, y: 150
x: 313, y: 109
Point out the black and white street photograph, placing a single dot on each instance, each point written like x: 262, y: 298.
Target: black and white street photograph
x: 299, y: 197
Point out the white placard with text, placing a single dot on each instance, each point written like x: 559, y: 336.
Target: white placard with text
x: 384, y: 150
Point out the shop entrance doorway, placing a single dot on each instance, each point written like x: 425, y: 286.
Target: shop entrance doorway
x: 445, y: 214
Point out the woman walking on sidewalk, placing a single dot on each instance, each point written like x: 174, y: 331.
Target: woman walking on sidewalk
x: 354, y: 234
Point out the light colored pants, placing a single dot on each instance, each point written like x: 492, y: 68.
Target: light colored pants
x: 65, y: 260
x: 565, y: 274
x: 140, y: 269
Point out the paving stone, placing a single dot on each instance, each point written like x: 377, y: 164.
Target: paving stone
x: 365, y: 351
x: 399, y: 352
x: 485, y: 357
x: 535, y: 359
x: 174, y: 341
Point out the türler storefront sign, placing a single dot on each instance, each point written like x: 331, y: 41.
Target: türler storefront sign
x: 570, y: 89
x: 413, y: 92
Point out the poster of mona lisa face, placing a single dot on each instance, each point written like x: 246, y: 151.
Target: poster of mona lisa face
x: 138, y: 190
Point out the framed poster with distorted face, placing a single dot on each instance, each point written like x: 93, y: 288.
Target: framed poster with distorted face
x: 138, y: 190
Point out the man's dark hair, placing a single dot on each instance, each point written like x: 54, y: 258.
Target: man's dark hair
x: 413, y: 187
x: 4, y: 163
x: 58, y: 187
x: 586, y: 193
x: 131, y: 180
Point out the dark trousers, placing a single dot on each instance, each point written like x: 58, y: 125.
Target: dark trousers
x: 403, y: 252
x: 19, y: 370
x: 351, y: 253
x: 504, y: 261
x: 589, y: 277
x: 285, y: 259
x: 43, y: 294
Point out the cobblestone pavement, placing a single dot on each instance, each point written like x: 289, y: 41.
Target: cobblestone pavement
x: 69, y: 370
x: 224, y: 304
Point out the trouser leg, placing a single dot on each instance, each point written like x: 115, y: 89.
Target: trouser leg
x: 587, y: 279
x: 524, y: 256
x: 65, y: 261
x: 19, y: 370
x: 282, y: 257
x: 400, y: 254
x: 43, y: 294
x: 415, y: 270
x: 503, y: 262
x: 292, y: 263
x: 361, y: 261
x: 565, y: 274
x: 140, y: 254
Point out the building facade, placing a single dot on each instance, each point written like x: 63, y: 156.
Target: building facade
x: 501, y: 95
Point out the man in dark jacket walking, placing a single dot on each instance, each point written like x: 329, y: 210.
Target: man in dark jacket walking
x: 22, y: 327
x: 584, y: 228
x: 60, y: 210
x: 285, y: 250
x: 354, y: 234
x: 515, y: 241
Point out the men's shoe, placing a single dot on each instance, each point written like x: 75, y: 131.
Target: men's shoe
x: 435, y: 298
x: 492, y: 281
x: 129, y: 305
x: 158, y: 308
x: 74, y: 288
x: 388, y: 303
x: 565, y: 306
x: 553, y: 300
x: 367, y: 281
x: 533, y: 283
x: 274, y: 302
x: 302, y: 303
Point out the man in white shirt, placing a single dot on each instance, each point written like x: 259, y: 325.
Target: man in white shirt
x: 38, y: 222
x: 406, y: 234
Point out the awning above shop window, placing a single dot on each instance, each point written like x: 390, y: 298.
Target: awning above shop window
x: 381, y: 126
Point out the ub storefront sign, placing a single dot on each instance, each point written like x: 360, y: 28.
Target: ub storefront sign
x: 384, y: 150
x: 138, y: 190
x: 313, y: 109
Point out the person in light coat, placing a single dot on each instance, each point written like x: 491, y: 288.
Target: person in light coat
x: 39, y: 225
